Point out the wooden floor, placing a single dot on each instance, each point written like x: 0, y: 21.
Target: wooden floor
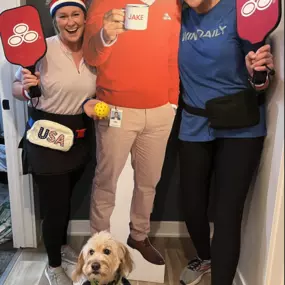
x: 29, y: 268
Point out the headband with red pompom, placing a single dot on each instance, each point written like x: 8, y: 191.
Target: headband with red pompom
x: 57, y: 4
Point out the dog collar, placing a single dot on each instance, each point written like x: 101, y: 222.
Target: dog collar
x: 119, y: 279
x: 114, y: 282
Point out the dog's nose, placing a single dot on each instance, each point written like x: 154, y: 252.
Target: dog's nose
x: 96, y: 266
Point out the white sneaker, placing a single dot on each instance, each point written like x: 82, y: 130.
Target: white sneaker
x: 68, y: 268
x: 194, y: 272
x: 57, y: 276
x: 68, y: 254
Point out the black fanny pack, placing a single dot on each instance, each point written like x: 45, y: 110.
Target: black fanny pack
x: 240, y: 110
x: 44, y: 160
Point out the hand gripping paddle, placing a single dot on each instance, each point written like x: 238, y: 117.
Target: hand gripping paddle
x: 23, y: 39
x: 256, y: 20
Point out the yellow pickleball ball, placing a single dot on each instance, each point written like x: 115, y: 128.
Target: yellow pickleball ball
x: 102, y: 110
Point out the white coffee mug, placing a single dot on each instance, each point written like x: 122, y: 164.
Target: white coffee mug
x: 136, y: 17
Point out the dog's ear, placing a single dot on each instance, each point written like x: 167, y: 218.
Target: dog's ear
x: 127, y: 263
x: 76, y: 274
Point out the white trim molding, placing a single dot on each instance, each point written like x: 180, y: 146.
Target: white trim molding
x: 24, y: 227
x: 275, y: 267
x: 158, y: 229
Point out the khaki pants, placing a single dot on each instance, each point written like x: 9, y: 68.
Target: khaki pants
x: 144, y: 133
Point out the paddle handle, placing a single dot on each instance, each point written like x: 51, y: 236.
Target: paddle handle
x: 34, y: 91
x: 259, y: 77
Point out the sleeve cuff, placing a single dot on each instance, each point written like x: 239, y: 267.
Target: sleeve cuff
x: 103, y: 41
x: 84, y: 102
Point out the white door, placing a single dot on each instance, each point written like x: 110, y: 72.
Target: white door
x: 14, y: 114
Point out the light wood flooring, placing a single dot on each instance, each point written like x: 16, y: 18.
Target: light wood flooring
x: 29, y: 268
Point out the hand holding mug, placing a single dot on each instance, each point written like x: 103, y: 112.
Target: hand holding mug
x: 117, y: 21
x: 113, y: 24
x: 136, y: 17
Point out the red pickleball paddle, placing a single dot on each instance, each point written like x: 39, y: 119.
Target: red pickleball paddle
x: 23, y: 39
x: 256, y: 19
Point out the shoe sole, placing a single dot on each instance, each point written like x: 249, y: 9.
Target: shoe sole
x: 68, y: 261
x: 131, y: 246
x: 198, y: 280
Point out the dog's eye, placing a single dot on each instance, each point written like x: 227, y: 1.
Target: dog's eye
x: 106, y: 251
x: 91, y: 251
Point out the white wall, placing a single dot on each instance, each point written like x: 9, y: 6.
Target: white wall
x: 20, y: 187
x: 275, y: 268
x: 262, y: 255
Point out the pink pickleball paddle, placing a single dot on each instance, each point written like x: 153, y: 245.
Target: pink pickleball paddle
x: 256, y: 20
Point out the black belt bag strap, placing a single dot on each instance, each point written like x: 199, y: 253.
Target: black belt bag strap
x: 240, y: 110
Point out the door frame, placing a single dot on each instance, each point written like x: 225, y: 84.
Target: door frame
x: 25, y: 219
x: 275, y: 270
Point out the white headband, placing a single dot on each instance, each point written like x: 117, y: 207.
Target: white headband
x: 62, y: 3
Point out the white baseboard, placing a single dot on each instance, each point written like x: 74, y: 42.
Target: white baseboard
x: 168, y: 229
x: 239, y: 280
x: 158, y: 229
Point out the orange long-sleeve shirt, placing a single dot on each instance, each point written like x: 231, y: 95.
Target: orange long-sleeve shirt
x: 140, y: 70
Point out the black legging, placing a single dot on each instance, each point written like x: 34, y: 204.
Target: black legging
x: 234, y: 162
x: 55, y: 192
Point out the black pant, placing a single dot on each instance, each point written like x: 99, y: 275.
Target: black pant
x: 233, y: 162
x: 55, y: 192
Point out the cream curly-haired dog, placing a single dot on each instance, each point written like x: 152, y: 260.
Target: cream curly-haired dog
x: 103, y: 260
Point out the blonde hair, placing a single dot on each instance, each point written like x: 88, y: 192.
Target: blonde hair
x: 55, y: 27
